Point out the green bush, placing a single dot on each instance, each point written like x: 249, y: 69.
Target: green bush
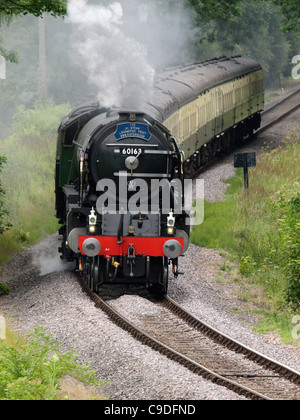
x: 4, y: 289
x: 33, y: 371
x: 289, y: 241
x: 29, y: 124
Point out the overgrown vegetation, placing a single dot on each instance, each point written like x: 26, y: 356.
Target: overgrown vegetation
x: 261, y: 228
x: 34, y: 7
x: 34, y: 369
x: 4, y: 289
x: 3, y: 211
x: 28, y: 178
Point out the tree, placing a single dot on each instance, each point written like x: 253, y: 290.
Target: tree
x: 255, y: 33
x: 13, y: 8
x: 10, y: 8
x: 43, y: 88
x: 209, y: 10
x: 291, y: 12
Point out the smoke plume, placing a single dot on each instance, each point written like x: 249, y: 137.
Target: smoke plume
x: 120, y: 45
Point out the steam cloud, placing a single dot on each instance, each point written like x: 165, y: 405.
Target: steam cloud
x: 121, y: 45
x: 46, y: 259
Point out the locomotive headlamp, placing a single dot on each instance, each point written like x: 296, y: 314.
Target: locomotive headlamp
x: 170, y: 231
x: 92, y: 229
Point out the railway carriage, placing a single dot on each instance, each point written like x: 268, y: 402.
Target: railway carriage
x: 209, y: 107
x: 109, y: 159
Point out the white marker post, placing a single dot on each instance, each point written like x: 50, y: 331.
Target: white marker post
x: 2, y: 328
x: 2, y: 68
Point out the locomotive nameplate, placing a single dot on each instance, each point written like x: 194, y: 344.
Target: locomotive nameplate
x: 132, y: 130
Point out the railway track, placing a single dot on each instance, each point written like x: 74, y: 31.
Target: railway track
x: 180, y: 336
x: 279, y: 111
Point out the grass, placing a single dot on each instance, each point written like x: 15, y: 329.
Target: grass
x: 215, y: 232
x: 28, y: 177
x: 34, y: 368
x: 261, y: 229
x: 278, y: 320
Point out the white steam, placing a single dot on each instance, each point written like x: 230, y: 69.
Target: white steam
x: 46, y: 259
x: 120, y: 45
x: 116, y: 64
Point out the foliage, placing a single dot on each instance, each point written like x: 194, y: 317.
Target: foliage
x: 14, y: 8
x: 267, y: 225
x: 214, y: 9
x: 34, y: 7
x: 11, y: 56
x: 216, y: 230
x: 29, y: 175
x: 207, y: 10
x: 37, y: 122
x: 225, y: 10
x: 3, y: 212
x: 277, y: 320
x: 262, y: 227
x: 4, y: 289
x: 291, y: 12
x: 33, y: 371
x: 289, y: 246
x: 255, y: 32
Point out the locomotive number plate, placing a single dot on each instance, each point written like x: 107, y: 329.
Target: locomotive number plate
x: 132, y: 151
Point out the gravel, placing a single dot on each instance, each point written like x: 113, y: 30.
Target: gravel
x: 134, y: 371
x: 55, y: 300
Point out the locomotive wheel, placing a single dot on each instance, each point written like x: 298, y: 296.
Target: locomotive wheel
x: 160, y: 288
x: 165, y: 276
x: 88, y: 273
x: 98, y: 273
x: 94, y: 274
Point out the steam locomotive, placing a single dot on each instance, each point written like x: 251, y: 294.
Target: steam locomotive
x: 120, y: 172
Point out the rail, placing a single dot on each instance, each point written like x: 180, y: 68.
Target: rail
x: 271, y: 380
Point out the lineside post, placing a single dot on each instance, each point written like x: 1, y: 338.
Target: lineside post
x: 245, y: 160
